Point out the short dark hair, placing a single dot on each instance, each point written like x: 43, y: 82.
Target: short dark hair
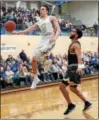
x: 79, y: 32
x: 47, y: 8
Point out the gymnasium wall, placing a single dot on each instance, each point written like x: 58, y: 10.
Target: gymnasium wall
x: 12, y: 44
x: 10, y: 4
x: 86, y: 11
x: 13, y: 3
x: 24, y: 4
x: 33, y: 5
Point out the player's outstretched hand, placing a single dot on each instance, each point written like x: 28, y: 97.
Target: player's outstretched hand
x: 18, y: 33
x: 14, y: 33
x: 80, y: 71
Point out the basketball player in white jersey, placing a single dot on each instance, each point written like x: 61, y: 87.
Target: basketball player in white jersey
x: 50, y: 30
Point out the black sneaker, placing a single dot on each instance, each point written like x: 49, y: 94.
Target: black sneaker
x: 88, y: 105
x: 70, y: 108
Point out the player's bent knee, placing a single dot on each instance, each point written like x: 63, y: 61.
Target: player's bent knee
x: 34, y: 59
x: 62, y: 86
x: 73, y: 86
x: 39, y: 58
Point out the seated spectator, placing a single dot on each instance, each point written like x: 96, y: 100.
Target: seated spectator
x: 86, y: 57
x: 28, y: 23
x: 56, y: 71
x: 15, y: 66
x: 20, y: 76
x: 59, y: 60
x: 19, y: 59
x: 27, y: 75
x: 10, y: 59
x: 1, y: 59
x: 2, y: 78
x: 9, y: 76
x: 27, y: 64
x: 41, y: 72
x: 64, y: 68
x: 65, y: 57
x: 87, y: 69
x: 47, y: 68
x: 47, y: 64
x: 51, y: 56
x: 68, y: 26
x: 94, y: 63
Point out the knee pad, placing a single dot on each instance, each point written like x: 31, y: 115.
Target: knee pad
x: 65, y: 82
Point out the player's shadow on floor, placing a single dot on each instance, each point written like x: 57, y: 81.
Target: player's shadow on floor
x: 88, y: 116
x: 66, y: 118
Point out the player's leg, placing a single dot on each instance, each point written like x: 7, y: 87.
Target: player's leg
x: 74, y: 89
x: 45, y: 50
x: 34, y: 71
x: 75, y: 78
x: 38, y: 55
x: 36, y: 80
x: 34, y: 66
x: 64, y: 90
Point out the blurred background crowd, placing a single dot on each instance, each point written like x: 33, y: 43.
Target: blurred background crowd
x: 15, y: 72
x: 24, y: 18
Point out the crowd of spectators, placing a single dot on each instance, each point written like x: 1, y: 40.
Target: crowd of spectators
x: 24, y: 18
x: 15, y: 72
x: 21, y: 16
x: 65, y: 26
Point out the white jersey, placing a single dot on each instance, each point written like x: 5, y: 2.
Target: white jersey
x: 46, y: 26
x: 47, y: 32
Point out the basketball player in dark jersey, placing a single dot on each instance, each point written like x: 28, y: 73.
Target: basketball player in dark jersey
x: 75, y: 70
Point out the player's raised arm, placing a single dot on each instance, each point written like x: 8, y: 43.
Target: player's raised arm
x: 57, y: 27
x: 30, y: 29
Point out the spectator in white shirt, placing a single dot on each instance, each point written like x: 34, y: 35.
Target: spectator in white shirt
x: 9, y: 75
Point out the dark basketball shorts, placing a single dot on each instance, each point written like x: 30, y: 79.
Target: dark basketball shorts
x: 72, y: 77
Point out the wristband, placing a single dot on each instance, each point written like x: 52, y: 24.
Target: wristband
x: 81, y: 66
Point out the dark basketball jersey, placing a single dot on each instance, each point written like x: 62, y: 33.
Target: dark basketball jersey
x: 72, y: 57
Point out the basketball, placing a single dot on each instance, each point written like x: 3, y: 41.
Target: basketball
x: 10, y: 26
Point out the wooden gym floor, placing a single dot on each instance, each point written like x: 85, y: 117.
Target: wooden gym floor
x: 48, y: 103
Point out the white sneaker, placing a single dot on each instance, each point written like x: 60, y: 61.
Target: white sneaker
x: 36, y: 80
